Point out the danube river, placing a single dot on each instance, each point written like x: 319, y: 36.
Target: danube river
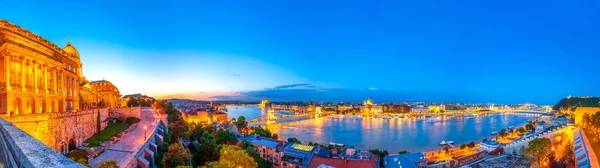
x: 394, y: 135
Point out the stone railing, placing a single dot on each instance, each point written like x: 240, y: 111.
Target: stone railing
x: 584, y: 151
x: 145, y: 156
x: 19, y: 149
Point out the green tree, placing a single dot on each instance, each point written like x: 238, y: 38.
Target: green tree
x: 538, y: 149
x: 529, y: 127
x: 463, y: 146
x: 379, y: 153
x: 471, y: 145
x: 262, y: 163
x: 197, y: 133
x: 233, y: 156
x: 108, y: 164
x: 263, y: 132
x: 205, y: 149
x: 568, y: 157
x: 522, y: 130
x: 275, y: 136
x: 241, y: 123
x: 403, y: 152
x: 502, y: 133
x: 595, y: 124
x: 177, y: 129
x: 446, y: 150
x: 294, y: 140
x: 225, y: 137
x: 175, y: 156
x: 586, y: 120
x: 99, y: 123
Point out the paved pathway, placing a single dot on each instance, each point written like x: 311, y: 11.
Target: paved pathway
x: 123, y: 151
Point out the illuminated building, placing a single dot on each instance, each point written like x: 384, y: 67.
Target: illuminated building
x: 108, y: 94
x: 268, y: 149
x: 368, y: 105
x: 43, y: 91
x: 264, y: 103
x: 580, y: 111
x: 437, y: 109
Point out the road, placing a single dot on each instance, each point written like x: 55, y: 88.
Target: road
x: 123, y: 151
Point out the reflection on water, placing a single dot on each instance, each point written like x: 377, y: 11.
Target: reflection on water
x: 252, y: 112
x: 392, y: 134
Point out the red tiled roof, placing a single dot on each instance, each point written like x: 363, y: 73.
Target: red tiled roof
x: 371, y: 163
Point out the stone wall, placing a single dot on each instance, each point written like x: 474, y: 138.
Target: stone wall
x: 62, y: 131
x: 23, y: 150
x: 128, y: 111
x: 59, y: 130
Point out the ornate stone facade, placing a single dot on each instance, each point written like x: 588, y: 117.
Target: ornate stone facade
x: 43, y: 91
x: 108, y: 93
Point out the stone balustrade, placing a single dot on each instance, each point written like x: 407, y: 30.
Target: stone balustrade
x: 19, y: 149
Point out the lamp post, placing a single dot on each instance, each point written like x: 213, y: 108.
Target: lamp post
x: 145, y: 135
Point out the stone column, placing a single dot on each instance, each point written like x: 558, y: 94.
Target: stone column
x: 35, y: 76
x: 23, y: 71
x: 7, y: 67
x: 46, y: 78
x: 62, y: 83
x: 55, y: 84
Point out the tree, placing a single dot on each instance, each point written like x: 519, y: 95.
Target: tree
x: 294, y: 140
x: 379, y: 153
x: 225, y: 137
x: 241, y: 123
x: 539, y: 148
x: 471, y: 144
x: 262, y: 163
x: 177, y: 129
x: 197, y: 133
x: 99, y: 123
x: 529, y: 126
x: 502, y: 133
x: 484, y: 139
x: 206, y: 150
x: 595, y: 123
x: 175, y: 156
x: 522, y: 130
x: 108, y: 164
x: 568, y: 155
x: 463, y: 146
x: 275, y: 136
x: 446, y: 150
x: 403, y: 152
x: 233, y: 156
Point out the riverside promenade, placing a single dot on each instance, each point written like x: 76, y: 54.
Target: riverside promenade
x: 126, y: 152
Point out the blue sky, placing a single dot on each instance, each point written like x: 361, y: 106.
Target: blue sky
x: 461, y: 51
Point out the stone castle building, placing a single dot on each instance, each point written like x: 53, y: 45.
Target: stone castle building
x: 43, y: 90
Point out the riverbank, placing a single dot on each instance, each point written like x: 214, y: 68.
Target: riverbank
x: 396, y: 134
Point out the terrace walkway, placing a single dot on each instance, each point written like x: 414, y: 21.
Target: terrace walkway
x: 128, y: 150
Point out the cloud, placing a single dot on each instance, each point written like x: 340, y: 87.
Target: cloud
x: 292, y: 86
x: 372, y: 88
x: 236, y: 75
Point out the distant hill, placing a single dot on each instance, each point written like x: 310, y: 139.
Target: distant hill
x: 574, y: 102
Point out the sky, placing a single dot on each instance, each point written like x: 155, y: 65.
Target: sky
x: 498, y: 51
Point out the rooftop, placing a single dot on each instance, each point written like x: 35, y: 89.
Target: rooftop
x: 404, y: 160
x: 265, y: 142
x: 491, y: 143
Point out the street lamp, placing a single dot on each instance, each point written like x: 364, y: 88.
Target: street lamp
x: 145, y: 135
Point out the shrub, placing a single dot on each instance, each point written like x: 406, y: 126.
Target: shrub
x: 132, y: 120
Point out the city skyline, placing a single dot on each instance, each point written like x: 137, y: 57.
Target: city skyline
x: 523, y: 54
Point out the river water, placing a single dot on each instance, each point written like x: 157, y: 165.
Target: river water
x: 394, y: 135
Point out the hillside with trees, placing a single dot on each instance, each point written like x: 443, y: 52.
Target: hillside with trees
x: 574, y: 102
